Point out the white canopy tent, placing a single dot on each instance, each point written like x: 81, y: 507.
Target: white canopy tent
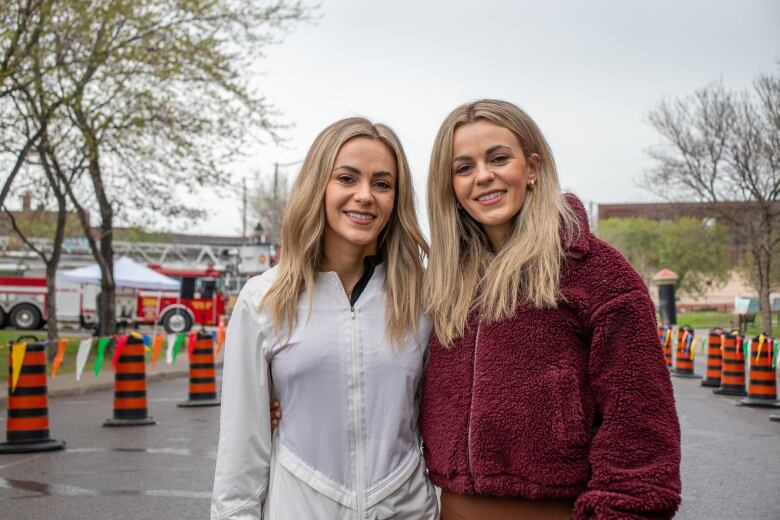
x: 127, y: 273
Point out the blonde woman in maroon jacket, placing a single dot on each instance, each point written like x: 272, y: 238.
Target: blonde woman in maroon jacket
x: 546, y: 394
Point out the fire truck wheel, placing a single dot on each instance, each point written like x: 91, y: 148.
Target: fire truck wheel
x: 2, y: 318
x: 25, y: 317
x: 175, y: 321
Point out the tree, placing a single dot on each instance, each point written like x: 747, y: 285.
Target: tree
x: 153, y: 103
x: 698, y: 252
x: 724, y: 147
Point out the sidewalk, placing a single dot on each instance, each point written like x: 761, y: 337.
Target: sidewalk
x: 66, y: 384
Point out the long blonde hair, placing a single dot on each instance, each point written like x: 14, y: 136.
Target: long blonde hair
x: 401, y: 243
x: 464, y: 273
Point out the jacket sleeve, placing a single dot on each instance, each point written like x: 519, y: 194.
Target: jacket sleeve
x: 244, y: 453
x: 635, y: 454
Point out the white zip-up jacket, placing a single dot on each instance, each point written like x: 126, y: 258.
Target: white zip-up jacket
x: 348, y: 446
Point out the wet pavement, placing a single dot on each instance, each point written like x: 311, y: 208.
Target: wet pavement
x: 731, y: 460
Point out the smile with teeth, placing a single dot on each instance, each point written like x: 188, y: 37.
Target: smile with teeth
x: 362, y: 217
x: 490, y: 196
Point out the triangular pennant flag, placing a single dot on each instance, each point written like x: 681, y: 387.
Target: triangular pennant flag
x: 82, y: 355
x: 158, y: 340
x: 121, y: 341
x: 55, y: 366
x: 777, y: 349
x: 746, y: 348
x: 18, y: 350
x: 101, y: 352
x: 193, y: 337
x: 146, y: 339
x: 177, y: 345
x: 169, y: 349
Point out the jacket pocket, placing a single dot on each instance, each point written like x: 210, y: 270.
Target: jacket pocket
x: 568, y: 418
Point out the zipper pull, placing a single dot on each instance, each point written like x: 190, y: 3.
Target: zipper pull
x: 352, y: 310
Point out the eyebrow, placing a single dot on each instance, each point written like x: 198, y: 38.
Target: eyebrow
x: 487, y: 152
x: 355, y: 171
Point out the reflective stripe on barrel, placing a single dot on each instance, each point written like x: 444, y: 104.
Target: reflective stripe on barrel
x: 130, y: 382
x: 714, y: 358
x: 733, y: 374
x: 762, y: 383
x: 28, y: 405
x: 203, y: 381
x: 684, y: 363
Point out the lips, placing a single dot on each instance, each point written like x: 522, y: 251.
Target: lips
x: 360, y: 217
x: 490, y: 197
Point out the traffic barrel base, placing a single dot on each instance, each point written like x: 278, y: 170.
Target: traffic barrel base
x: 732, y: 380
x: 130, y: 387
x: 762, y: 385
x: 27, y: 430
x: 203, y: 378
x: 714, y: 358
x: 683, y: 362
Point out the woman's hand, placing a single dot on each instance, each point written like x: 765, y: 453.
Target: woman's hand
x: 276, y: 414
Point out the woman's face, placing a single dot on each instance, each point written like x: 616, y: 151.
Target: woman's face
x: 360, y: 194
x: 490, y: 176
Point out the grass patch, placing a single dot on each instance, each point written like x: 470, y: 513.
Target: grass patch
x: 712, y: 319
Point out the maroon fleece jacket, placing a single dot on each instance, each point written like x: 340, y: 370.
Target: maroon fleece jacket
x: 572, y: 402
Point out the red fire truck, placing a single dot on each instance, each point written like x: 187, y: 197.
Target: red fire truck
x: 23, y: 302
x: 200, y: 300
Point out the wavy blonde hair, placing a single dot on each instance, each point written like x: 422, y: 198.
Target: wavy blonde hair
x: 401, y: 243
x: 464, y: 272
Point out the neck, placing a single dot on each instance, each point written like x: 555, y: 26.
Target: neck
x: 345, y: 258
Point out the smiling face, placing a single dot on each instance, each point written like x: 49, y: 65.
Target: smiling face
x: 490, y: 176
x: 360, y: 195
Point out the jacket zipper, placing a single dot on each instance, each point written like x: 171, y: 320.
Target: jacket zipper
x: 471, y: 406
x: 357, y: 397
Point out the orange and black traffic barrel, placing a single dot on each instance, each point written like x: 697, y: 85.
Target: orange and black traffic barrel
x: 683, y: 366
x: 762, y: 383
x: 714, y: 358
x: 203, y: 377
x: 665, y: 334
x: 130, y: 386
x: 732, y: 378
x: 28, y: 406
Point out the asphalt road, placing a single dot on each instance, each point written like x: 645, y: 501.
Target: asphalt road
x: 731, y: 460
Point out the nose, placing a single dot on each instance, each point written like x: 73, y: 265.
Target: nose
x: 362, y: 193
x: 483, y: 174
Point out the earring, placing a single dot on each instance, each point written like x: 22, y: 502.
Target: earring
x: 530, y: 185
x: 459, y: 206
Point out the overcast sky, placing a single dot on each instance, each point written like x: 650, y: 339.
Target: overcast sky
x: 587, y: 72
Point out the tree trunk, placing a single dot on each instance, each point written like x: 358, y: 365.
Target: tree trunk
x: 107, y: 286
x: 763, y: 259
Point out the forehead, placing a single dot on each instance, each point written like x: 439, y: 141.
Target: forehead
x: 475, y: 137
x: 366, y: 154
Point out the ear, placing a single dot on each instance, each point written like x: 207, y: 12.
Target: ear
x: 534, y: 165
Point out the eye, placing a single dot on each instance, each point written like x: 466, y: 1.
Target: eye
x: 383, y: 185
x: 500, y: 159
x: 462, y: 169
x: 345, y: 179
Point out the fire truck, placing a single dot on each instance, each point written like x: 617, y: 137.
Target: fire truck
x: 23, y: 302
x: 200, y: 301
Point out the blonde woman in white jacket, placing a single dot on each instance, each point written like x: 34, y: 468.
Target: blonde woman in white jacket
x: 335, y: 332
